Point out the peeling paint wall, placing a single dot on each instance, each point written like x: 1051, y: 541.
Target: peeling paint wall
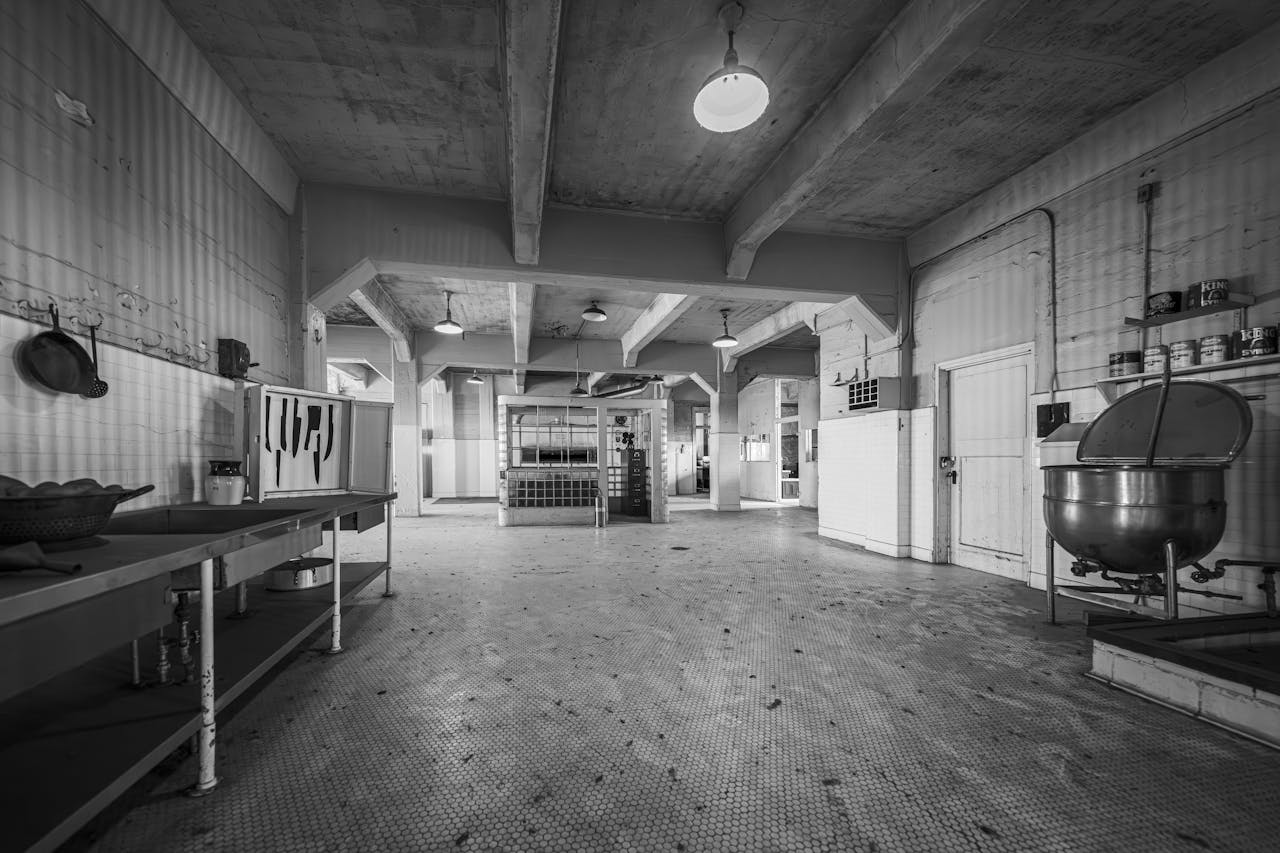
x: 137, y: 220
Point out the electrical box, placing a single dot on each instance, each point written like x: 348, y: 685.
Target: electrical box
x: 875, y: 395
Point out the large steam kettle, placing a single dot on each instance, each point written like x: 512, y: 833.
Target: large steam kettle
x: 1138, y: 507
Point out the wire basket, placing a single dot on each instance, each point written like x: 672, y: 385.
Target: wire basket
x: 36, y: 518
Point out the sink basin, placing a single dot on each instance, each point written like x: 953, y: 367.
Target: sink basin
x: 192, y: 520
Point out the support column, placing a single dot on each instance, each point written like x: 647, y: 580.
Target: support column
x: 726, y: 467
x: 407, y: 439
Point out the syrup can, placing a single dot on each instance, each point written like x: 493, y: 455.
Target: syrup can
x: 1124, y: 363
x: 1260, y: 340
x: 1153, y: 359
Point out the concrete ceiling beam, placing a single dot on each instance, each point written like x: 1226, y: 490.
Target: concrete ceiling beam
x: 493, y: 352
x: 521, y: 296
x: 795, y: 316
x: 854, y: 309
x: 425, y: 237
x: 383, y: 310
x: 348, y: 282
x: 594, y: 379
x: 530, y: 40
x: 919, y: 49
x: 665, y: 309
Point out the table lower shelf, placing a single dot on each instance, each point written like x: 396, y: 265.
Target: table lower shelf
x: 72, y: 745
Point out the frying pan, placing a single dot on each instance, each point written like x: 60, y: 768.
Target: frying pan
x: 56, y: 361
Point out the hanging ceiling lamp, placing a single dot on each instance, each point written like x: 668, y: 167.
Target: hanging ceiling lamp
x: 447, y: 326
x: 725, y: 340
x: 577, y: 390
x: 736, y: 95
x: 474, y: 378
x: 594, y: 314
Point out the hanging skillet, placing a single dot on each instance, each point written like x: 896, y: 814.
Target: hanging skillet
x: 56, y: 361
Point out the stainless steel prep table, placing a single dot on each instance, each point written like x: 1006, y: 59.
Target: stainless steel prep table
x: 86, y: 717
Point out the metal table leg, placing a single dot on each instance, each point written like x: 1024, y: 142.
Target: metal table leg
x: 1050, y: 600
x: 242, y: 601
x: 386, y: 592
x: 207, y: 780
x: 335, y: 646
x: 1171, y: 579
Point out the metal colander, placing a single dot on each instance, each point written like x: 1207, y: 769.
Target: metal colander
x: 33, y: 518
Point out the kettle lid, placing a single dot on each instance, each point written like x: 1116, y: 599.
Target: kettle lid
x: 1204, y: 423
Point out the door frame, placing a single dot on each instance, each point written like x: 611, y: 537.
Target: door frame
x: 1025, y: 353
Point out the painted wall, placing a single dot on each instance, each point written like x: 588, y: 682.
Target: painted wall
x: 809, y: 406
x: 462, y: 439
x: 139, y: 221
x: 757, y: 416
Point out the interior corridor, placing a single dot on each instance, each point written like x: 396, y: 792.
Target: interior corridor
x: 726, y: 682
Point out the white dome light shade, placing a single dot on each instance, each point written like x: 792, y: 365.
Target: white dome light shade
x: 725, y: 341
x: 578, y: 391
x: 474, y: 379
x: 732, y: 98
x: 594, y: 314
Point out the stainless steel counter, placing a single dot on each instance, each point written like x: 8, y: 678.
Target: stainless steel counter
x: 125, y: 559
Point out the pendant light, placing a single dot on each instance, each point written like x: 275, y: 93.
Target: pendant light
x: 474, y: 378
x: 447, y: 326
x: 594, y: 314
x: 725, y: 340
x: 577, y: 390
x: 736, y: 95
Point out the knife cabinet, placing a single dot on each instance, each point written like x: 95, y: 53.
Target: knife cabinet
x: 299, y: 443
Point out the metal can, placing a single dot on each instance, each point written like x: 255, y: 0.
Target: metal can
x: 1215, y: 348
x: 1153, y: 359
x: 1125, y: 363
x: 1260, y: 340
x: 1213, y: 291
x: 1166, y: 302
x: 1184, y: 353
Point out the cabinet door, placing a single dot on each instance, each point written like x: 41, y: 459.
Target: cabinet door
x: 370, y: 469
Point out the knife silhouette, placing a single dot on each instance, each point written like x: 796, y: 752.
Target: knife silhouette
x: 317, y: 460
x: 297, y: 428
x: 267, y: 421
x: 277, y: 469
x: 284, y: 424
x: 328, y: 444
x: 313, y: 425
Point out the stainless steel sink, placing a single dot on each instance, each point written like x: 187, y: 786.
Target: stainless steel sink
x: 192, y: 520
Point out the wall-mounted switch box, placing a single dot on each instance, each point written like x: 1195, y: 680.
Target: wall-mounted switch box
x: 1050, y: 416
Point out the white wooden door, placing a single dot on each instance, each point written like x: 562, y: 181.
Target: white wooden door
x: 988, y: 403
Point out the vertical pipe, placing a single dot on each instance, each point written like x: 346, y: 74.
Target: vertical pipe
x: 135, y: 679
x: 1171, y: 579
x: 335, y: 645
x: 242, y: 599
x: 206, y: 781
x: 1050, y: 602
x: 386, y: 592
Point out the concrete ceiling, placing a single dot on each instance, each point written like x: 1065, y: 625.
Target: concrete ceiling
x: 586, y: 103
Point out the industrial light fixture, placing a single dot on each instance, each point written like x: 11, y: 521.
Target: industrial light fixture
x: 725, y: 340
x: 474, y: 378
x: 577, y: 390
x: 447, y: 326
x: 594, y: 314
x: 736, y: 95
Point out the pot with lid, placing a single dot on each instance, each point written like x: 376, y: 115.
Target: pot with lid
x: 1149, y: 496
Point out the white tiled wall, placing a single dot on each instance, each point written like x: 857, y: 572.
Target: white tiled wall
x: 863, y: 493
x: 158, y: 424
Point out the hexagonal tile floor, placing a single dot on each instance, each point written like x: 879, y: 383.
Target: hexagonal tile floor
x: 727, y: 682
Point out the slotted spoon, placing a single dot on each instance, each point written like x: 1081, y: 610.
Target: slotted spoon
x: 97, y: 387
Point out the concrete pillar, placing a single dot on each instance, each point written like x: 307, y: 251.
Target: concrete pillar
x: 407, y: 439
x: 726, y: 487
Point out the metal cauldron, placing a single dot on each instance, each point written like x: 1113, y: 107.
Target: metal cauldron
x: 1120, y: 517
